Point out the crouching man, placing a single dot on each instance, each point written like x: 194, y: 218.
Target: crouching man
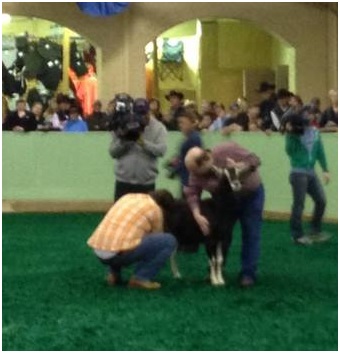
x: 132, y: 233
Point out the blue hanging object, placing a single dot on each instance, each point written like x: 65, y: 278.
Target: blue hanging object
x: 102, y: 9
x: 172, y: 51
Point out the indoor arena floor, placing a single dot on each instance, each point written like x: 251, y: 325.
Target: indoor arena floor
x: 55, y: 296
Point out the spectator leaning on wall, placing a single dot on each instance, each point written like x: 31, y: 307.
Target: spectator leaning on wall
x: 329, y: 118
x: 21, y: 119
x: 75, y: 122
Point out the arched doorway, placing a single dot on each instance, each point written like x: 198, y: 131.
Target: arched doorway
x: 217, y: 59
x: 50, y: 59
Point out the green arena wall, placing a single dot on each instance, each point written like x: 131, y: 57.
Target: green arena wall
x: 74, y: 172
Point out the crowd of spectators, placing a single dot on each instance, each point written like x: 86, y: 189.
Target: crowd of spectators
x: 63, y: 113
x: 267, y: 116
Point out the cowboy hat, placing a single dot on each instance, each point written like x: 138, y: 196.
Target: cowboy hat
x: 174, y: 93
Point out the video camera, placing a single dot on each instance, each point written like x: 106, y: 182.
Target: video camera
x: 130, y: 117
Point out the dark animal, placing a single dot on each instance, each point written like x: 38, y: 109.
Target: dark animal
x: 220, y: 212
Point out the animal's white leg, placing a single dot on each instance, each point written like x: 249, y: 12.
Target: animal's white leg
x: 213, y: 277
x: 174, y: 267
x: 219, y: 264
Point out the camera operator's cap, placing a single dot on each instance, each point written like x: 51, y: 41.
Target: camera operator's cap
x: 265, y: 87
x: 174, y: 93
x: 284, y: 93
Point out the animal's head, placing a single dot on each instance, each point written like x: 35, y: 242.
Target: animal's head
x: 174, y: 215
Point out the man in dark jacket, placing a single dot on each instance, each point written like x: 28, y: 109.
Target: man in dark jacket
x: 281, y: 107
x: 176, y: 110
x: 21, y: 119
x: 267, y: 92
x: 98, y: 120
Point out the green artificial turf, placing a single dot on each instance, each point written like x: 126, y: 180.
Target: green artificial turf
x: 55, y: 298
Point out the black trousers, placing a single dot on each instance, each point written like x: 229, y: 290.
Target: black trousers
x: 122, y: 189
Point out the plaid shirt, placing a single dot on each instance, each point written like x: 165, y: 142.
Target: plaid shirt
x: 127, y: 222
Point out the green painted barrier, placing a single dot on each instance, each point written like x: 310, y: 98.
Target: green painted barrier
x: 77, y: 167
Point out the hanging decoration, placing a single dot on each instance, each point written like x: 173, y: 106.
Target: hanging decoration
x: 102, y: 9
x: 171, y: 64
x: 172, y: 51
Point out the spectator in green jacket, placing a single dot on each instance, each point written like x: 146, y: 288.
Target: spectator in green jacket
x: 304, y: 148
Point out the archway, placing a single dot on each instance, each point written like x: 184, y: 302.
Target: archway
x: 50, y: 58
x: 218, y: 59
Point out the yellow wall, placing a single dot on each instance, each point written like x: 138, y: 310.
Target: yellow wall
x: 186, y: 29
x: 220, y: 84
x: 332, y: 53
x: 228, y: 47
x: 242, y: 45
x: 34, y: 26
x: 284, y: 54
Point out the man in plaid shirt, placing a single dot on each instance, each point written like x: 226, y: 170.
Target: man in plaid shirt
x: 132, y: 232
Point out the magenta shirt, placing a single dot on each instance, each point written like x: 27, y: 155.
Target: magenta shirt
x: 210, y: 183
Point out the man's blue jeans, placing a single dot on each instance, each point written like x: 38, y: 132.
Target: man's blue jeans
x: 149, y: 256
x: 248, y: 210
x: 302, y: 184
x: 250, y: 216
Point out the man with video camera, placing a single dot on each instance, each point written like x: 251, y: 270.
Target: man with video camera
x: 138, y: 140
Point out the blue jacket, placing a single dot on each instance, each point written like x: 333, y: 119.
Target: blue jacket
x: 193, y: 140
x: 76, y: 126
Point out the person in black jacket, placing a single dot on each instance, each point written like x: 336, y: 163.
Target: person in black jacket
x: 267, y: 92
x: 281, y: 107
x: 21, y: 119
x: 98, y: 120
x: 176, y: 110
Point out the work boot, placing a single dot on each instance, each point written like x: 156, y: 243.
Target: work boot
x: 143, y: 284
